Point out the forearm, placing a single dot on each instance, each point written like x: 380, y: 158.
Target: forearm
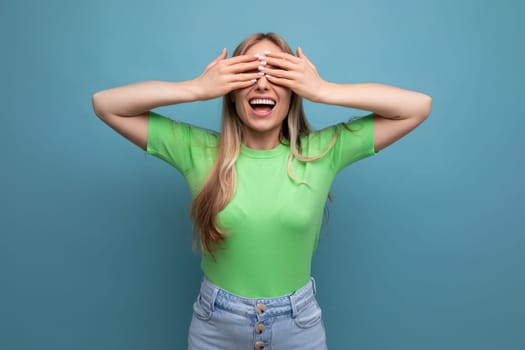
x: 384, y: 100
x: 137, y: 98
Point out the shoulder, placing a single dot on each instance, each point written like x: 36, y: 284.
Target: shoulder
x: 317, y: 141
x: 342, y: 143
x: 354, y: 128
x: 164, y: 127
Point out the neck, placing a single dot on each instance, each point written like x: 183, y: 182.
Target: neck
x: 262, y: 140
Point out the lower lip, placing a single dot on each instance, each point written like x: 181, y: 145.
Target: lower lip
x: 262, y: 114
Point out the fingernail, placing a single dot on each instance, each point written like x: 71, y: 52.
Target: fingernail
x: 267, y: 51
x: 268, y: 76
x: 261, y: 68
x: 258, y: 56
x: 253, y: 80
x: 261, y: 73
x: 262, y: 63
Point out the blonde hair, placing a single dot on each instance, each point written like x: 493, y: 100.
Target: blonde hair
x: 219, y: 187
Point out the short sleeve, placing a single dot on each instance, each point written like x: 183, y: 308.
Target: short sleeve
x: 355, y: 141
x: 177, y: 143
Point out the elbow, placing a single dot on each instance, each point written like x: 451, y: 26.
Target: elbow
x: 426, y: 107
x: 95, y: 101
x: 422, y: 106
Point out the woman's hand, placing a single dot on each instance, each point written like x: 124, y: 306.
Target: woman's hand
x: 223, y: 75
x: 295, y: 73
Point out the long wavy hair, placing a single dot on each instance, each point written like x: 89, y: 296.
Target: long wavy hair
x: 219, y: 187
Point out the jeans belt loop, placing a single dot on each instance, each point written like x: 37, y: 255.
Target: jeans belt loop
x: 293, y: 304
x: 314, y: 288
x: 213, y: 298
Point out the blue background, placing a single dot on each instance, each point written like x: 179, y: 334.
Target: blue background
x: 425, y: 243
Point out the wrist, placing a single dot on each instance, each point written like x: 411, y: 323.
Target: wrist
x: 194, y: 90
x: 323, y: 93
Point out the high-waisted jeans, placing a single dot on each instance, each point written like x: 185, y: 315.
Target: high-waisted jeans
x: 224, y: 321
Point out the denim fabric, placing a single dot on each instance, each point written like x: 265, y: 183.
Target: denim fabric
x: 224, y: 321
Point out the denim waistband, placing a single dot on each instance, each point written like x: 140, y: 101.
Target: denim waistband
x: 250, y: 307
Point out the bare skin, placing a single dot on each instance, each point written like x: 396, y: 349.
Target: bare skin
x: 262, y: 131
x: 126, y: 108
x: 396, y: 111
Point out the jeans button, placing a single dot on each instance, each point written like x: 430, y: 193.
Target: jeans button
x: 260, y: 308
x: 259, y: 345
x: 259, y: 328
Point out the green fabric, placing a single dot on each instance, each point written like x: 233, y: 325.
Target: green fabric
x: 273, y: 222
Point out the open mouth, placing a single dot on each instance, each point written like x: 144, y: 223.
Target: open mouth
x: 262, y: 105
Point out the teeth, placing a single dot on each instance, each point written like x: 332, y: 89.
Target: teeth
x: 262, y: 101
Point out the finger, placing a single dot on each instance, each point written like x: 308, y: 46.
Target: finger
x: 246, y: 76
x: 282, y: 55
x: 241, y: 59
x: 280, y: 63
x: 242, y: 84
x: 287, y: 83
x: 301, y: 55
x: 279, y: 73
x: 245, y: 67
x: 222, y: 56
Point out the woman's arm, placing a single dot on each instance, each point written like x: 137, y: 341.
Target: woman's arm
x: 126, y: 108
x: 397, y: 111
x: 137, y: 98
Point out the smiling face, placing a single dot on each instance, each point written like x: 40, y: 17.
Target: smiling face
x: 263, y: 106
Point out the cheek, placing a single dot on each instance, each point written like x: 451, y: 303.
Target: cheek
x: 286, y: 104
x: 238, y: 106
x: 286, y: 98
x: 242, y: 112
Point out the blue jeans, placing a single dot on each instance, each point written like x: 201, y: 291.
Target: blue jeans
x: 224, y: 321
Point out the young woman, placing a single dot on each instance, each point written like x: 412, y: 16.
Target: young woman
x: 259, y: 187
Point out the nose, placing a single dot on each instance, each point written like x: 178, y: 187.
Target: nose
x: 262, y: 83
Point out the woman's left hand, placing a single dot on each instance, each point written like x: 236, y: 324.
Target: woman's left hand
x: 296, y: 73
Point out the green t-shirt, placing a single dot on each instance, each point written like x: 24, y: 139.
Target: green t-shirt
x: 273, y: 223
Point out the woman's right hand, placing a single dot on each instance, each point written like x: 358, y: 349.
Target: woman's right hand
x: 224, y: 75
x: 126, y: 108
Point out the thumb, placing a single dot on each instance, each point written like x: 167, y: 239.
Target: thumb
x: 301, y: 54
x: 222, y: 56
